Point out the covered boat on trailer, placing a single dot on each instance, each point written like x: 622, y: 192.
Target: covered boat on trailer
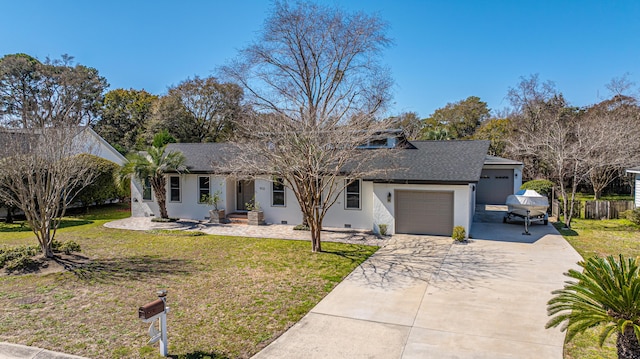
x: 528, y: 205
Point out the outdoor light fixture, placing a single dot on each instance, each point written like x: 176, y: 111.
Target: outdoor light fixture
x: 389, y: 197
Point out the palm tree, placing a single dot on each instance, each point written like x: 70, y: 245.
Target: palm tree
x: 606, y: 293
x: 154, y: 164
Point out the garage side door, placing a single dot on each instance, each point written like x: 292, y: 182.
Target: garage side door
x: 423, y: 212
x: 494, y: 186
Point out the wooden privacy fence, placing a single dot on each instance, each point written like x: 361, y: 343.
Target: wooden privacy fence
x: 605, y: 209
x: 595, y: 209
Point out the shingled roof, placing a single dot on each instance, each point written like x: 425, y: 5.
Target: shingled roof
x: 428, y: 162
x: 201, y: 156
x: 435, y: 162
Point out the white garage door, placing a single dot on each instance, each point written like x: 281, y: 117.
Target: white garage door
x: 424, y: 212
x: 494, y: 186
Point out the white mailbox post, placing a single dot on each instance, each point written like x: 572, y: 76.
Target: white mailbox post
x: 156, y: 310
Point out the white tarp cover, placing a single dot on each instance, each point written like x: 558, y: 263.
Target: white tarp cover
x: 528, y: 199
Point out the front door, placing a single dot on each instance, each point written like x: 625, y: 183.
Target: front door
x: 245, y: 193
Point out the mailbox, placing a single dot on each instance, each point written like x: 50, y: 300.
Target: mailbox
x: 151, y: 309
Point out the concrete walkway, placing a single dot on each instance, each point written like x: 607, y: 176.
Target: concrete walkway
x: 279, y: 231
x: 424, y: 297
x: 15, y: 351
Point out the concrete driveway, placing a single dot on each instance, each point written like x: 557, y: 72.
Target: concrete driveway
x: 424, y: 297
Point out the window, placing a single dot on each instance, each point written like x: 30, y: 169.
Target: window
x: 352, y: 192
x: 146, y: 189
x: 204, y: 190
x: 277, y: 192
x: 174, y: 189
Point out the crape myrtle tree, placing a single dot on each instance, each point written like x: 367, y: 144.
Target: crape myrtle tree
x: 315, y: 84
x: 42, y: 172
x: 41, y: 106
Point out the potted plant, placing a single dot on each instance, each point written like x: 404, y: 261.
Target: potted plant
x: 216, y: 215
x: 255, y: 215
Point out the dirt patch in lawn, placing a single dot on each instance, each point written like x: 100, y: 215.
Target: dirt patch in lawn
x: 42, y: 265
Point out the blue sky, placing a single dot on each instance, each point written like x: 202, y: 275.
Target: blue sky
x: 444, y: 51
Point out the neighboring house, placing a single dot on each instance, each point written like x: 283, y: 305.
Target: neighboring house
x: 431, y: 187
x: 87, y: 140
x: 636, y: 196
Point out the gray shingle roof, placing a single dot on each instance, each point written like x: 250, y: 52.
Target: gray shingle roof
x: 495, y: 160
x: 429, y: 162
x: 436, y: 162
x: 200, y: 156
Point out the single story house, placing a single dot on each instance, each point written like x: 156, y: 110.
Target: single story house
x: 636, y: 196
x: 432, y: 187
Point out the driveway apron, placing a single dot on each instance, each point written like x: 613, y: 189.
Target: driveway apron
x: 425, y: 297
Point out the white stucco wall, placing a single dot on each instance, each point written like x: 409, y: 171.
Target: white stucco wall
x: 375, y: 207
x: 384, y: 211
x: 637, y: 192
x: 140, y: 207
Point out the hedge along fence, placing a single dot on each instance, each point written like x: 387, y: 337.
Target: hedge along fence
x: 594, y: 209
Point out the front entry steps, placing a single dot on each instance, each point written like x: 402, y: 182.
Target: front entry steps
x: 238, y: 218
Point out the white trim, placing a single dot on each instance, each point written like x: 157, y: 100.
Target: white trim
x: 346, y: 195
x: 179, y: 190
x: 198, y: 189
x: 284, y: 193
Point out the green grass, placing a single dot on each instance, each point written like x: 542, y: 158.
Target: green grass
x: 229, y: 296
x: 601, y: 238
x: 608, y: 197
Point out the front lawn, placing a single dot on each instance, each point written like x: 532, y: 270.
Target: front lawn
x: 601, y: 238
x: 229, y: 296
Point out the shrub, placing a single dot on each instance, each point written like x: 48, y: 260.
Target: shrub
x: 542, y: 186
x: 383, y: 229
x: 459, y: 234
x: 104, y: 186
x: 301, y: 227
x: 633, y: 215
x: 18, y: 258
x: 67, y: 247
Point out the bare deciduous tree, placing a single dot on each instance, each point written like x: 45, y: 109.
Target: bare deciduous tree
x: 41, y: 174
x: 314, y: 80
x: 611, y: 131
x: 548, y: 134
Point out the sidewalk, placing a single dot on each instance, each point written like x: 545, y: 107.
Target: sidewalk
x: 16, y: 351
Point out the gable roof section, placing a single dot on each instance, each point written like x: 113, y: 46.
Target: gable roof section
x: 495, y: 160
x: 428, y: 162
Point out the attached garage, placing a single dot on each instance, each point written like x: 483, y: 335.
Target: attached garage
x: 494, y: 186
x: 424, y: 212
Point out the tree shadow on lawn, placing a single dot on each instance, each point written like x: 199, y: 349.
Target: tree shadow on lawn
x: 199, y: 355
x: 354, y: 253
x: 135, y: 268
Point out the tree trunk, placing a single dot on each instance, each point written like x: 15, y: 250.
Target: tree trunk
x: 627, y: 344
x: 9, y: 218
x: 159, y: 187
x: 315, y: 229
